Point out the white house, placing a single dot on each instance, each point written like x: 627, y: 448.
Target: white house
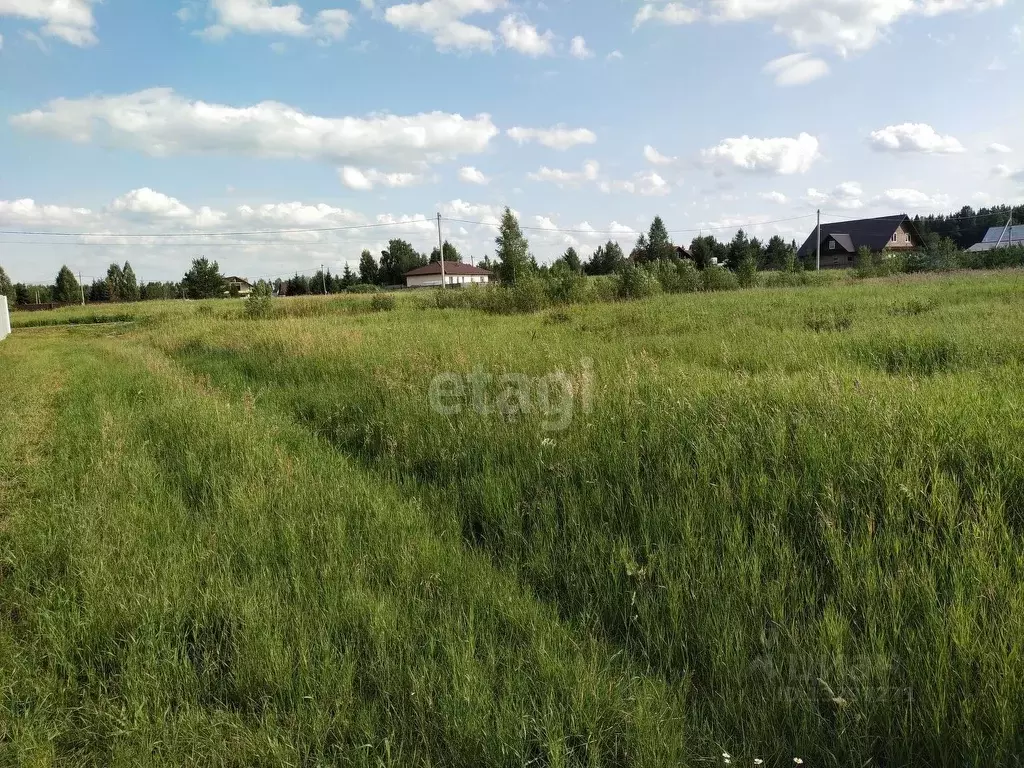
x: 244, y: 286
x: 455, y: 273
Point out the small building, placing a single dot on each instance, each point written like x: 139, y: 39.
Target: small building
x: 1000, y: 237
x: 237, y: 286
x: 840, y: 240
x: 455, y: 273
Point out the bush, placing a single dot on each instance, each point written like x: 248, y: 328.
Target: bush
x: 603, y: 288
x: 259, y: 304
x: 633, y: 282
x: 529, y: 294
x: 715, y: 278
x: 688, y: 276
x: 565, y: 286
x: 362, y: 288
x: 746, y: 273
x: 676, y: 276
x: 453, y: 298
x: 382, y: 302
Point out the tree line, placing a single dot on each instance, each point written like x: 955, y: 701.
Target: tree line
x: 512, y: 260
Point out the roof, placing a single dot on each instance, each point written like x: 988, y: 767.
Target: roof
x: 234, y: 279
x: 450, y: 268
x: 997, y: 234
x: 844, y: 240
x: 873, y: 233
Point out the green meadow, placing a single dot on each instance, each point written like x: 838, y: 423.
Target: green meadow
x: 774, y: 523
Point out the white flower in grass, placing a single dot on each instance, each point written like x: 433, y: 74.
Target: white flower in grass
x: 547, y: 442
x: 758, y: 761
x: 798, y: 761
x: 726, y: 755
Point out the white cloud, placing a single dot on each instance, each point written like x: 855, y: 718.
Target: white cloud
x: 615, y: 56
x: 1, y: 42
x: 151, y: 203
x: 646, y: 184
x: 561, y: 178
x: 846, y: 196
x: 262, y: 17
x: 69, y: 20
x: 655, y: 157
x: 161, y: 123
x: 665, y: 13
x: 519, y: 35
x: 334, y: 23
x: 471, y: 175
x: 578, y: 48
x: 914, y: 137
x: 28, y: 212
x: 369, y: 178
x: 545, y: 223
x: 999, y: 149
x: 442, y: 20
x: 912, y: 198
x: 774, y: 197
x: 796, y: 69
x: 780, y: 155
x: 847, y: 26
x: 559, y: 137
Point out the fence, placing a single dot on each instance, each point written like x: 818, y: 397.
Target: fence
x: 5, y: 319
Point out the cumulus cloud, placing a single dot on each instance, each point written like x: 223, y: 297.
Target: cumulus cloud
x: 914, y: 137
x: 774, y: 197
x: 846, y: 196
x: 578, y: 48
x: 69, y: 20
x: 847, y: 26
x: 161, y: 123
x: 559, y: 137
x: 783, y: 156
x: 518, y: 34
x: 443, y: 21
x: 561, y: 178
x: 999, y: 149
x: 796, y: 69
x: 369, y: 178
x: 28, y: 212
x: 471, y: 175
x: 645, y: 183
x: 262, y: 17
x: 912, y: 198
x: 665, y: 13
x: 148, y: 202
x: 654, y: 157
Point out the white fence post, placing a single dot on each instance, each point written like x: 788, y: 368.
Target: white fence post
x: 5, y: 319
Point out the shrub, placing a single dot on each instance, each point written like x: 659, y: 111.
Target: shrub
x: 603, y: 288
x: 633, y: 282
x: 688, y: 276
x: 864, y: 263
x: 259, y: 304
x: 746, y: 273
x: 363, y: 288
x: 715, y: 278
x: 529, y: 294
x: 382, y: 302
x: 451, y: 298
x: 565, y: 286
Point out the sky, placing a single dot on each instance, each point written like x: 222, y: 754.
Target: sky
x: 275, y: 137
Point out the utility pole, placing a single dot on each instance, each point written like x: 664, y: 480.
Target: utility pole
x: 323, y: 277
x: 81, y: 287
x: 818, y: 250
x: 440, y: 249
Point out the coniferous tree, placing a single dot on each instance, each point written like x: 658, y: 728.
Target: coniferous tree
x: 513, y: 251
x: 129, y: 284
x: 66, y: 289
x: 7, y: 287
x: 203, y: 280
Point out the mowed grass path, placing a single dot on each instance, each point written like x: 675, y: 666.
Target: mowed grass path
x: 783, y: 523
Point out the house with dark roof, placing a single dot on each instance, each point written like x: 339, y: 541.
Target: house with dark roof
x: 455, y: 273
x: 1000, y: 237
x: 840, y: 240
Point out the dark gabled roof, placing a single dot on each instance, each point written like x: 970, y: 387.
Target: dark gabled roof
x: 874, y: 233
x: 450, y: 268
x: 234, y: 279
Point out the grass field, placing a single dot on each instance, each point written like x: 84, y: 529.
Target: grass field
x: 772, y: 523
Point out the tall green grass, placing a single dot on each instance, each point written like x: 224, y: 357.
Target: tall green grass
x: 784, y: 523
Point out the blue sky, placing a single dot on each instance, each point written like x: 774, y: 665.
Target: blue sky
x: 587, y: 118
